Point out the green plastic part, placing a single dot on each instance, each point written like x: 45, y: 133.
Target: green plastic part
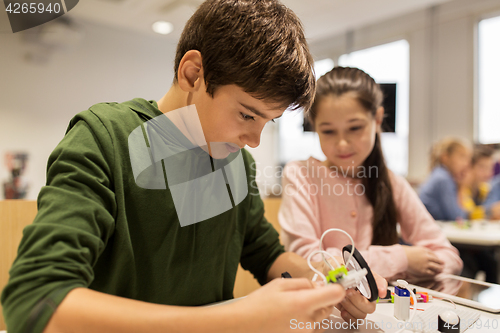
x: 334, y: 275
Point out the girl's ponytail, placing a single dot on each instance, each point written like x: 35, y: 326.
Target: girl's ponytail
x: 379, y: 192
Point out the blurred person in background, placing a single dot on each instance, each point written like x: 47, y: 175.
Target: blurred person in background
x: 492, y: 202
x: 475, y: 188
x: 470, y: 185
x: 450, y: 163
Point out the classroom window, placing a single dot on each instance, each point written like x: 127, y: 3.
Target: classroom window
x: 389, y: 63
x: 294, y: 143
x: 488, y: 76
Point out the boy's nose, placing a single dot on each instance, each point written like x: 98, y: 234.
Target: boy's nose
x: 251, y: 139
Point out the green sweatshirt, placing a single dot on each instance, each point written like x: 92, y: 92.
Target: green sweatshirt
x: 96, y: 228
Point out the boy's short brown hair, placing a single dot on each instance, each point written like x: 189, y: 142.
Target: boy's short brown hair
x: 480, y: 152
x: 258, y: 45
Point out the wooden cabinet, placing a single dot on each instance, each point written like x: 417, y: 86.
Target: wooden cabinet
x: 14, y: 216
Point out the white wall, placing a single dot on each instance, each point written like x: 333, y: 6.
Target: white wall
x: 267, y: 160
x: 442, y: 75
x: 37, y: 101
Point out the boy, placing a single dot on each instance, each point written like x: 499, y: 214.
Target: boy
x: 474, y: 189
x: 473, y: 194
x: 113, y: 248
x: 492, y: 202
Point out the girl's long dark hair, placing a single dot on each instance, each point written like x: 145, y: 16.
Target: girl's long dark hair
x: 378, y: 188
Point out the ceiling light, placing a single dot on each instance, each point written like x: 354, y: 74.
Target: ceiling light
x: 163, y: 27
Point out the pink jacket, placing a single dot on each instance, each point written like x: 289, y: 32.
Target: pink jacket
x: 316, y: 199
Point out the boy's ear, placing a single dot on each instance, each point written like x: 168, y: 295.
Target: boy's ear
x: 379, y: 117
x: 190, y: 72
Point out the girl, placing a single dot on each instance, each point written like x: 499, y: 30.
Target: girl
x: 353, y: 189
x: 450, y: 161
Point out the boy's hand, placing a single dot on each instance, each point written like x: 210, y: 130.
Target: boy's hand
x: 381, y: 284
x: 356, y: 306
x: 284, y: 304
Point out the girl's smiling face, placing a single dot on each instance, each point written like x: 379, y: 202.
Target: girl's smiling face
x: 346, y: 130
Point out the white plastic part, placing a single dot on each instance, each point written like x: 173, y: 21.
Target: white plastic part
x: 401, y: 307
x: 353, y: 278
x: 449, y: 317
x: 321, y: 246
x: 403, y: 284
x: 318, y: 273
x: 349, y: 281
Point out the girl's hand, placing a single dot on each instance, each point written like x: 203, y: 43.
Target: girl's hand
x: 422, y: 262
x: 284, y: 304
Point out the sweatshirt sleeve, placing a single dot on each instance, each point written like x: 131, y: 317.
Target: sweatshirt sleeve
x: 75, y: 219
x: 262, y: 245
x: 419, y: 228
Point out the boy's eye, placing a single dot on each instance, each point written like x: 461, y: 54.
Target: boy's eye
x: 357, y: 128
x: 247, y: 117
x: 328, y: 132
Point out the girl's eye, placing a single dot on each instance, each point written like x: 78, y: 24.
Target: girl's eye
x: 328, y: 132
x: 357, y: 128
x: 247, y: 117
